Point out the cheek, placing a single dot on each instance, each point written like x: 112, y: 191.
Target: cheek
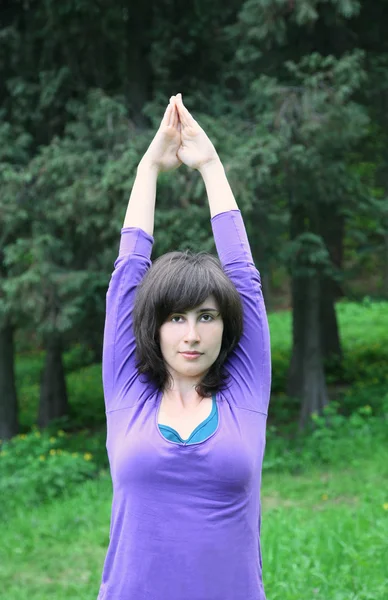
x: 167, y: 337
x: 216, y: 334
x: 162, y: 338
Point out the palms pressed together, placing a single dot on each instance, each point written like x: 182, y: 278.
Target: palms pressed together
x: 180, y: 139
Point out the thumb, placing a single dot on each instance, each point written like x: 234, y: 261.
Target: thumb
x: 181, y: 153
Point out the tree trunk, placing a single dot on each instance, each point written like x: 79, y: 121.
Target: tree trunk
x: 306, y: 377
x: 53, y: 393
x: 331, y: 343
x: 332, y: 227
x: 295, y: 372
x: 256, y: 226
x: 9, y: 425
x: 314, y: 391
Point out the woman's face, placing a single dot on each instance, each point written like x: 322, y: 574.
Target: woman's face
x: 198, y: 330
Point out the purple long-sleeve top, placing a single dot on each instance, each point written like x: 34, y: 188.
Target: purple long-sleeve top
x: 185, y: 521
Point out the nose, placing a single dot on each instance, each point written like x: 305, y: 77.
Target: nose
x: 191, y: 333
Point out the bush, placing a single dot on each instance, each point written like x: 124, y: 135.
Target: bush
x: 77, y: 357
x: 330, y: 439
x: 87, y: 407
x: 35, y: 468
x: 365, y: 393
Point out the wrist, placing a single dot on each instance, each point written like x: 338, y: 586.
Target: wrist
x: 210, y: 167
x: 146, y: 165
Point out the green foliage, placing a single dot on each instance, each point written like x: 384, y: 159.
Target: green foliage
x: 299, y: 127
x: 82, y: 383
x: 266, y: 24
x: 35, y: 468
x: 87, y: 408
x: 78, y: 356
x: 364, y: 333
x: 329, y: 439
x: 307, y: 253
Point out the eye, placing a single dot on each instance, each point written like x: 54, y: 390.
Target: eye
x: 175, y: 317
x: 207, y: 320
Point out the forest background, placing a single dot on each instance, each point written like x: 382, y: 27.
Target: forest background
x: 294, y: 95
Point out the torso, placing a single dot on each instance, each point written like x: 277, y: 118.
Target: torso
x: 184, y: 421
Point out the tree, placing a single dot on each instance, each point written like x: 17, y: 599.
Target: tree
x: 306, y: 101
x: 56, y: 272
x: 85, y: 85
x: 14, y: 145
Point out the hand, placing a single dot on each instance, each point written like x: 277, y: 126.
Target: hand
x: 162, y: 152
x: 196, y: 149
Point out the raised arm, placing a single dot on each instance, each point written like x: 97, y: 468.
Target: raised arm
x: 122, y: 386
x: 197, y: 151
x: 161, y: 156
x: 250, y: 363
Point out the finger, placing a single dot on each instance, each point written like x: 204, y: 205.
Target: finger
x: 172, y: 112
x: 176, y: 117
x: 184, y: 114
x: 166, y: 116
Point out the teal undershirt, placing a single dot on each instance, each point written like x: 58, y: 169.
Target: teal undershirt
x: 200, y: 433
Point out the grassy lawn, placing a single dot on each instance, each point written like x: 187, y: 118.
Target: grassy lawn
x: 325, y: 533
x: 359, y: 324
x: 324, y: 536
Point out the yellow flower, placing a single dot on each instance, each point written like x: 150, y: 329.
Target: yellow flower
x: 385, y: 506
x: 52, y: 439
x: 41, y: 457
x: 88, y: 456
x: 38, y: 434
x: 22, y: 436
x: 52, y: 451
x: 325, y: 497
x: 61, y: 433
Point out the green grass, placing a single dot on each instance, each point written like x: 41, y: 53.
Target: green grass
x: 323, y: 537
x: 360, y: 324
x: 324, y: 533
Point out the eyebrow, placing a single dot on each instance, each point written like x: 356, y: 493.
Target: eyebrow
x: 200, y: 310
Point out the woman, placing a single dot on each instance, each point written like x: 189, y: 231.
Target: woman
x: 186, y: 402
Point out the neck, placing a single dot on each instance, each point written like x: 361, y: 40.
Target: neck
x: 186, y: 399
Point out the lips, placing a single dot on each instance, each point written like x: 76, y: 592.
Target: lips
x: 192, y: 353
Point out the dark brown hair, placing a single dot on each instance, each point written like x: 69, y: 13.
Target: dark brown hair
x: 178, y: 282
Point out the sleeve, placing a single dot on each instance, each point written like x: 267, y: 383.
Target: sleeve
x: 121, y: 383
x: 249, y: 365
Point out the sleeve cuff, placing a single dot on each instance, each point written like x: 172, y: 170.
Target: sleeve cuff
x: 135, y: 241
